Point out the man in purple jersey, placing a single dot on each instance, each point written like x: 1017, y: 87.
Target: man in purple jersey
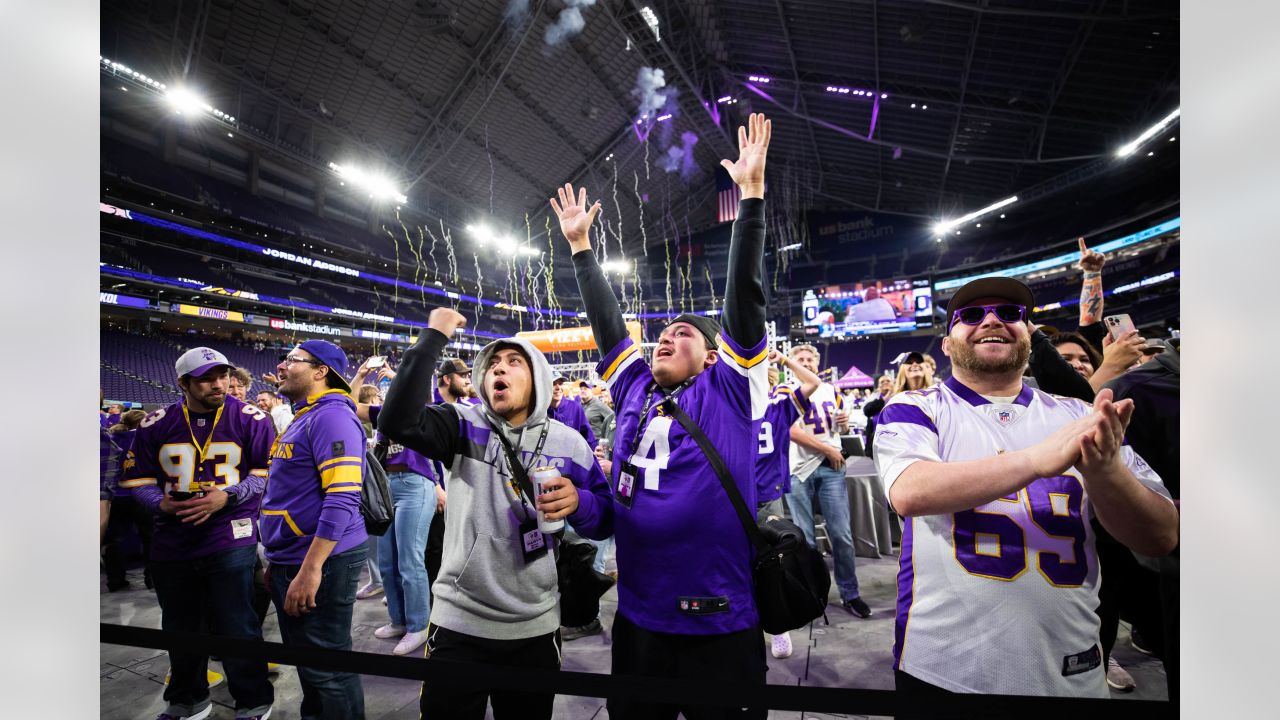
x: 787, y: 403
x: 569, y: 411
x: 199, y: 465
x: 685, y: 603
x: 311, y: 524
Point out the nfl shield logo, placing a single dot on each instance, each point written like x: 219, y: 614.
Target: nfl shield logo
x: 1005, y: 417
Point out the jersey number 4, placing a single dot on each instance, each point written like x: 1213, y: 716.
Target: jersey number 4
x: 654, y: 451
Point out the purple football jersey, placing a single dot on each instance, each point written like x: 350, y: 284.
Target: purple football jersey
x: 684, y: 562
x: 570, y: 413
x: 773, y: 471
x: 398, y: 454
x: 233, y: 453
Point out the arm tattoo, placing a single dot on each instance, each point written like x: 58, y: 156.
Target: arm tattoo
x: 1091, y: 298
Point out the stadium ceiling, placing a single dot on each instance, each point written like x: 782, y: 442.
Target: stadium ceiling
x: 471, y: 110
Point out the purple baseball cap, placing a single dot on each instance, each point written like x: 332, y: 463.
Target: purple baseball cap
x: 332, y: 356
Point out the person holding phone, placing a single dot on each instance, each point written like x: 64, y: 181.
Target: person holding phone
x: 200, y: 466
x: 1120, y: 350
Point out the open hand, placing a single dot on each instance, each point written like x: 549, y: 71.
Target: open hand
x: 575, y: 216
x: 1100, y: 447
x: 753, y: 146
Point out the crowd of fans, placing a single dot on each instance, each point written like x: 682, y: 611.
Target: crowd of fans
x: 1057, y: 445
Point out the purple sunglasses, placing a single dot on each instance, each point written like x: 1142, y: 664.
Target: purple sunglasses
x: 974, y: 314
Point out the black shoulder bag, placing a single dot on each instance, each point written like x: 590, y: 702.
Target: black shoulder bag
x: 376, y: 505
x: 790, y: 578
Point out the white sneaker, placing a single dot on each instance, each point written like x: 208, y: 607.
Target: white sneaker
x: 390, y: 630
x: 410, y: 642
x: 368, y: 591
x: 782, y: 645
x: 1118, y: 677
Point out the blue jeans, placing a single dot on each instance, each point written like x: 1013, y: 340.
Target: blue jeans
x: 218, y: 587
x: 325, y: 694
x: 602, y: 549
x: 401, y: 551
x: 826, y: 485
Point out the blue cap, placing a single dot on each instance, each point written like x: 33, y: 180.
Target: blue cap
x: 332, y: 356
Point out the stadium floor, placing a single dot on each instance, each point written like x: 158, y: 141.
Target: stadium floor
x: 848, y: 653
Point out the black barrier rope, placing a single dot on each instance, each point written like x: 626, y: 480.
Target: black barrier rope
x: 637, y: 688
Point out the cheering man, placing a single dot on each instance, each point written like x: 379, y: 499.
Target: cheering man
x: 685, y: 605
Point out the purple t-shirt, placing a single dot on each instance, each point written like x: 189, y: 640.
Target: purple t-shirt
x: 684, y: 561
x: 123, y: 439
x: 317, y: 468
x: 773, y: 472
x: 398, y: 454
x: 235, y: 443
x: 570, y: 413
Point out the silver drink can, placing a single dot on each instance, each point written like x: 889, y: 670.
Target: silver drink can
x: 540, y: 475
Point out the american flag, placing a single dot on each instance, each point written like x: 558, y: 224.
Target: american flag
x: 727, y: 196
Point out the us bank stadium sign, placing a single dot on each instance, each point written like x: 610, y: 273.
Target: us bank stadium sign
x: 281, y: 324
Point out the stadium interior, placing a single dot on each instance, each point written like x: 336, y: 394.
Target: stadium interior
x: 275, y: 171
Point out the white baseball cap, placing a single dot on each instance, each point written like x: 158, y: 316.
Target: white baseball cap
x: 200, y: 360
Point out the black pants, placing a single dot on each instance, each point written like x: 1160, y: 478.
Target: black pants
x: 736, y: 657
x: 1126, y: 590
x: 910, y: 688
x: 441, y: 702
x: 125, y: 513
x: 435, y: 549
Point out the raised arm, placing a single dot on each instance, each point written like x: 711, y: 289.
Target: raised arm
x: 601, y: 304
x: 431, y: 430
x: 809, y: 381
x: 1091, y: 289
x: 744, y: 316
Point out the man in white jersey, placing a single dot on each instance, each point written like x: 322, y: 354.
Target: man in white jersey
x: 817, y: 479
x: 998, y: 483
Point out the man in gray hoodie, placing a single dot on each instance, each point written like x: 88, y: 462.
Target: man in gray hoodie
x: 496, y: 592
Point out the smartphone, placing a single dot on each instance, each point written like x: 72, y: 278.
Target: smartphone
x: 1118, y: 325
x: 377, y: 361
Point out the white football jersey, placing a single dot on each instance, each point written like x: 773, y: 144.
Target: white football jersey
x: 999, y: 599
x: 820, y: 420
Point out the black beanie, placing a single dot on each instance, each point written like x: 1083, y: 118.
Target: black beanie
x: 708, y: 327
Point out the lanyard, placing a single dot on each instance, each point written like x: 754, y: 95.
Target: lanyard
x: 517, y: 470
x: 644, y: 412
x: 201, y: 450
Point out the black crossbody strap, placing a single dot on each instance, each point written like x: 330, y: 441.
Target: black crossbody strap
x: 745, y: 516
x: 517, y: 469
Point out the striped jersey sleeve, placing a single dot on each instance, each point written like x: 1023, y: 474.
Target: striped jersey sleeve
x: 905, y: 433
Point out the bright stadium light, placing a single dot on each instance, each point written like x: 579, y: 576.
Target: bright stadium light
x: 184, y: 101
x: 946, y: 226
x: 616, y: 266
x: 1128, y: 149
x: 378, y: 187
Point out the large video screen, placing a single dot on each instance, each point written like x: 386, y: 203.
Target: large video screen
x: 868, y: 308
